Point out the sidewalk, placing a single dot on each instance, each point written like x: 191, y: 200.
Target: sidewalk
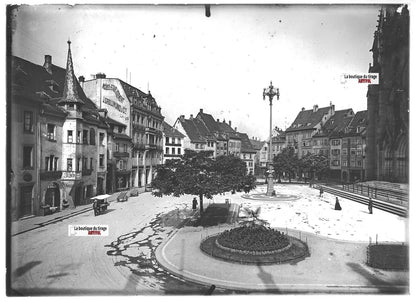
x: 333, y: 267
x: 34, y: 222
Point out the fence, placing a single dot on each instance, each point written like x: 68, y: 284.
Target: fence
x: 398, y: 197
x: 388, y: 256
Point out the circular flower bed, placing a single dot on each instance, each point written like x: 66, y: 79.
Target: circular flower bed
x: 255, y: 245
x: 253, y: 239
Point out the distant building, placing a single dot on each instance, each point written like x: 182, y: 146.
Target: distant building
x: 248, y: 153
x: 305, y: 126
x: 172, y: 143
x: 387, y: 156
x: 261, y: 156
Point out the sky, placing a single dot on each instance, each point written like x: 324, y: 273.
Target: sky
x: 220, y: 64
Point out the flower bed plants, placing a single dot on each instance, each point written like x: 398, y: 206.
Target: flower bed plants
x: 253, y: 239
x: 264, y: 246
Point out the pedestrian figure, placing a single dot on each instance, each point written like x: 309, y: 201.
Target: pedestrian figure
x: 194, y: 203
x: 321, y: 191
x: 370, y: 206
x: 337, y: 205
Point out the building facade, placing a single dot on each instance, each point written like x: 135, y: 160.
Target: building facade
x: 143, y: 124
x: 172, y: 143
x: 305, y: 126
x: 387, y: 156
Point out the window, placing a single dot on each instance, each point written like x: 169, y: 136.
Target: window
x: 336, y: 142
x: 102, y: 136
x: 92, y: 136
x: 344, y: 151
x: 69, y: 139
x: 173, y: 150
x: 352, y: 152
x: 78, y: 137
x: 335, y: 162
x: 51, y: 132
x: 28, y: 122
x: 91, y: 167
x: 344, y: 163
x: 167, y: 140
x: 84, y: 163
x: 167, y: 151
x: 179, y: 150
x: 85, y: 137
x: 125, y: 148
x: 69, y: 164
x: 51, y: 163
x: 359, y: 163
x: 359, y: 152
x: 78, y: 163
x: 117, y: 147
x: 55, y: 164
x: 27, y: 157
x: 101, y: 160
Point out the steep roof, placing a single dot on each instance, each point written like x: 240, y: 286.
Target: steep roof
x: 308, y: 119
x: 195, y: 130
x: 209, y: 121
x: 170, y: 131
x: 338, y: 122
x: 359, y: 120
x: 256, y: 144
x: 245, y: 143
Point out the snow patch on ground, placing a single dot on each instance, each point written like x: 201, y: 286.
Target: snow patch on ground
x: 315, y: 214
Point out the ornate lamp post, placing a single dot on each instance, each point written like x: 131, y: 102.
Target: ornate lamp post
x: 270, y: 92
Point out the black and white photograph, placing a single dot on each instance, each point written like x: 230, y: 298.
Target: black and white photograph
x: 207, y: 149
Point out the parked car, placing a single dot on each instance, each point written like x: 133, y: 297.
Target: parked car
x: 100, y: 203
x: 122, y: 196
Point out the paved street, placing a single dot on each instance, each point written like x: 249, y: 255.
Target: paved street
x: 47, y: 261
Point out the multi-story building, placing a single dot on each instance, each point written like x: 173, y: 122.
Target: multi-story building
x: 260, y: 158
x: 248, y: 153
x: 353, y: 149
x: 58, y: 164
x: 205, y: 133
x: 142, y: 119
x: 172, y: 142
x: 387, y: 156
x: 305, y: 126
x: 79, y: 149
x: 119, y: 162
x: 278, y: 142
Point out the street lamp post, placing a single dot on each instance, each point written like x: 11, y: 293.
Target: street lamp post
x: 270, y: 92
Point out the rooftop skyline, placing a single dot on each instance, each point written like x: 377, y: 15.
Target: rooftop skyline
x: 220, y: 63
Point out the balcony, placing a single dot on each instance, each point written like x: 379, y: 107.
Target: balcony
x: 120, y: 154
x: 71, y: 175
x: 50, y: 175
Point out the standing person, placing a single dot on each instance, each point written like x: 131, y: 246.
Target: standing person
x: 370, y: 206
x: 194, y: 203
x: 337, y: 205
x: 321, y: 191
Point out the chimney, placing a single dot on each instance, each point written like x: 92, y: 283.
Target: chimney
x: 103, y: 112
x: 229, y: 123
x: 81, y: 80
x: 182, y: 118
x: 303, y: 108
x: 48, y: 63
x: 218, y: 120
x: 191, y: 116
x: 235, y: 129
x: 315, y: 108
x: 100, y: 75
x: 201, y: 110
